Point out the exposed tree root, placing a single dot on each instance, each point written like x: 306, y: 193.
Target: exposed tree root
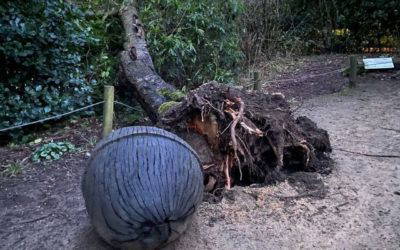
x: 210, y: 184
x: 236, y: 119
x: 227, y: 164
x: 264, y: 141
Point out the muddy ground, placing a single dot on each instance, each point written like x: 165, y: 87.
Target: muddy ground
x: 357, y: 206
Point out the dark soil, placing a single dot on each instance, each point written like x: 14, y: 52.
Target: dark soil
x: 43, y: 207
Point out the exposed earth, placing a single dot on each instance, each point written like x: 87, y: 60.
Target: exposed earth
x: 357, y: 206
x: 361, y: 208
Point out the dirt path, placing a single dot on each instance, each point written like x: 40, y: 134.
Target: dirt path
x: 358, y: 208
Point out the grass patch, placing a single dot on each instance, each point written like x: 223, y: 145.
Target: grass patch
x: 12, y: 170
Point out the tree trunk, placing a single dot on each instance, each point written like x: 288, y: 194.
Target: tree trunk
x: 137, y: 72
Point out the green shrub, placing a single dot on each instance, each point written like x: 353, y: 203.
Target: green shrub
x: 42, y: 44
x: 315, y: 26
x: 103, y: 56
x: 193, y: 41
x: 333, y: 25
x: 269, y: 30
x: 52, y: 151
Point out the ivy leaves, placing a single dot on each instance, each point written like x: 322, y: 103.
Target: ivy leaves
x: 41, y: 47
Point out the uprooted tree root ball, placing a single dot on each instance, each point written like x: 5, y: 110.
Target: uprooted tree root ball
x: 244, y: 137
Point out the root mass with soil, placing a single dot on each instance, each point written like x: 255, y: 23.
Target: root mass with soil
x: 247, y: 137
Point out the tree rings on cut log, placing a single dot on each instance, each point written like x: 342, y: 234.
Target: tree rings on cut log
x: 244, y: 137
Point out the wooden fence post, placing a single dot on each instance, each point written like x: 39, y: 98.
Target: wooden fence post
x: 353, y: 71
x: 256, y: 80
x: 108, y: 110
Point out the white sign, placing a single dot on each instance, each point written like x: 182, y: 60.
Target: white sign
x: 378, y: 63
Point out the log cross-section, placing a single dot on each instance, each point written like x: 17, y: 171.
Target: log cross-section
x: 137, y: 67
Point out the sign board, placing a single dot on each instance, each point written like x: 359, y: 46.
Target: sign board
x: 378, y: 63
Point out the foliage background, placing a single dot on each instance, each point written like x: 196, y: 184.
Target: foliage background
x: 57, y: 55
x: 193, y: 41
x: 42, y: 43
x: 319, y: 26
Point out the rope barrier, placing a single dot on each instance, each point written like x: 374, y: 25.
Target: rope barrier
x: 51, y: 118
x: 300, y: 78
x: 127, y: 106
x: 311, y: 76
x: 65, y: 114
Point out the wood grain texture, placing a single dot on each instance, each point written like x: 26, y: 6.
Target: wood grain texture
x: 141, y: 187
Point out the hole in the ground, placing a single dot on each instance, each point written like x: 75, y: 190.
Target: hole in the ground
x: 267, y: 174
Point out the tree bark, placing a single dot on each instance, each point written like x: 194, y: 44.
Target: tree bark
x: 136, y: 67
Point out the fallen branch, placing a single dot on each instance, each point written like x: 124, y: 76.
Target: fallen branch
x: 36, y: 219
x: 369, y: 155
x: 390, y: 129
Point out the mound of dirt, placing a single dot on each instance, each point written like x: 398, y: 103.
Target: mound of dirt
x: 245, y: 137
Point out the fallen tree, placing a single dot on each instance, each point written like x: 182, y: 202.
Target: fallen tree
x: 241, y: 137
